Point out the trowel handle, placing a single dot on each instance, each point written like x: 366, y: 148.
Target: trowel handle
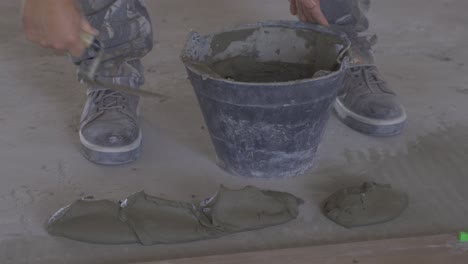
x: 92, y: 43
x: 87, y: 38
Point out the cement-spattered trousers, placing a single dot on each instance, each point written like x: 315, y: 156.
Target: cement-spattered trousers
x: 126, y: 33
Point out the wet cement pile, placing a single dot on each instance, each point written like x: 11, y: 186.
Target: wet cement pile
x: 150, y: 220
x: 248, y: 69
x: 368, y: 204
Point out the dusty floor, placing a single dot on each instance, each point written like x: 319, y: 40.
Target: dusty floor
x: 422, y: 52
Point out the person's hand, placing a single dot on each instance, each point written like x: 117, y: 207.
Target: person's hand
x: 308, y: 11
x: 56, y: 24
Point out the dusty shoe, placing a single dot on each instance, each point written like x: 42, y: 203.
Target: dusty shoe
x: 366, y: 103
x: 109, y: 131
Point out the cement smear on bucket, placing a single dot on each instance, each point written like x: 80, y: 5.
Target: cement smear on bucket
x: 368, y: 204
x: 149, y: 220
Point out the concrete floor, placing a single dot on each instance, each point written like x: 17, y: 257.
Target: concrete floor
x: 422, y: 52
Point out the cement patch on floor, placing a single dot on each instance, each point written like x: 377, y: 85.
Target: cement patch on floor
x: 149, y: 220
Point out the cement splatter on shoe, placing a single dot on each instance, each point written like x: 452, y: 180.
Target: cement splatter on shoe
x: 368, y: 204
x: 110, y: 133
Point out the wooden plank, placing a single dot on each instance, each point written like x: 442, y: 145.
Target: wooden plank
x: 440, y: 249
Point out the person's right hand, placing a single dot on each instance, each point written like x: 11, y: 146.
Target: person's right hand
x: 56, y: 24
x: 308, y: 11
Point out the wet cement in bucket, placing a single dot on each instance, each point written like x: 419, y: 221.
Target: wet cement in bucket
x: 247, y: 69
x: 264, y: 54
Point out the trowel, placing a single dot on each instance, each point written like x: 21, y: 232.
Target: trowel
x: 91, y: 78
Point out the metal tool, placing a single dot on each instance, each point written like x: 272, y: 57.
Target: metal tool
x: 91, y: 78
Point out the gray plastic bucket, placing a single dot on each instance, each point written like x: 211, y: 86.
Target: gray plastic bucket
x: 266, y: 91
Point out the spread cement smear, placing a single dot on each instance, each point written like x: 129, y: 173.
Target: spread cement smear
x: 368, y: 204
x: 149, y: 220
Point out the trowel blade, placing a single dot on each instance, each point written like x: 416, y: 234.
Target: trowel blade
x: 122, y: 88
x: 89, y: 77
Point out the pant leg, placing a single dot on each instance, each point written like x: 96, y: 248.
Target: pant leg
x: 348, y: 15
x: 125, y: 31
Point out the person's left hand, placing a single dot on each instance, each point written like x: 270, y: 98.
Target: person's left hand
x: 308, y: 11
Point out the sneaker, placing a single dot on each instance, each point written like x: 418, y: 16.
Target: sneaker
x: 366, y: 103
x: 109, y: 130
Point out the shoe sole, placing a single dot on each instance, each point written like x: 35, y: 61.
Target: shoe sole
x: 111, y: 155
x: 369, y: 126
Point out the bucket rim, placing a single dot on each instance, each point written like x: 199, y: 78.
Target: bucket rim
x: 344, y: 63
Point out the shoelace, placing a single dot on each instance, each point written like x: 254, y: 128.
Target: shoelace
x: 368, y: 74
x: 108, y: 100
